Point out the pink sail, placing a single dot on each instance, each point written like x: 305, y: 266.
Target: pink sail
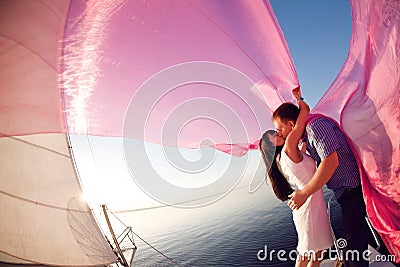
x: 365, y: 100
x: 186, y: 73
x: 30, y: 100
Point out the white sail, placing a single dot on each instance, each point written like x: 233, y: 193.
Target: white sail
x: 43, y: 217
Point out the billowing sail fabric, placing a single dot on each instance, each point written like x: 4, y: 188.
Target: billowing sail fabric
x: 29, y: 66
x: 187, y: 73
x: 43, y: 217
x: 365, y: 99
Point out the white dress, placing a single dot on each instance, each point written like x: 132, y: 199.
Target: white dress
x: 311, y: 219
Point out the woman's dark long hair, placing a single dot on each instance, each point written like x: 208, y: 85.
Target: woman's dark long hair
x: 269, y: 152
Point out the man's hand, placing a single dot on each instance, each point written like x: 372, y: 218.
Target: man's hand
x: 297, y: 199
x: 296, y: 92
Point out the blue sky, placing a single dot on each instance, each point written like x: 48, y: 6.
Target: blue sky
x: 318, y: 34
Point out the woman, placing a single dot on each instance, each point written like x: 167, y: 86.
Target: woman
x: 288, y: 165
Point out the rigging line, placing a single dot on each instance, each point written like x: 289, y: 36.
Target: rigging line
x: 147, y: 243
x: 94, y: 161
x: 42, y: 204
x: 35, y: 145
x: 91, y: 151
x: 118, y: 218
x: 173, y: 205
x: 53, y: 11
x: 32, y: 52
x: 82, y: 227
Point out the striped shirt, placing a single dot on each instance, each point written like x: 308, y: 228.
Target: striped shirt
x: 323, y: 138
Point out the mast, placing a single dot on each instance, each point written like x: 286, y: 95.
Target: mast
x: 121, y: 255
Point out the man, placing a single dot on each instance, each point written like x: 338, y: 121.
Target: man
x: 337, y: 168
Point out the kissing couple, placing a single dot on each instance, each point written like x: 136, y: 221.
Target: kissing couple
x: 306, y: 152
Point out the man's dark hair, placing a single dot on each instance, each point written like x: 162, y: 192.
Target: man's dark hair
x: 286, y: 112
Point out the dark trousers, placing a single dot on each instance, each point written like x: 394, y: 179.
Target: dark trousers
x: 355, y: 228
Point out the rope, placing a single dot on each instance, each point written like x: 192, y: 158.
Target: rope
x: 153, y: 207
x: 175, y: 204
x: 91, y: 152
x: 43, y: 204
x: 147, y: 243
x: 156, y: 207
x: 34, y: 145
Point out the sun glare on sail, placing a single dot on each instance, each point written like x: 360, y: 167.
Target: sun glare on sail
x: 82, y: 54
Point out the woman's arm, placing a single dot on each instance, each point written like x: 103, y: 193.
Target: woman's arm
x: 293, y: 138
x: 298, y: 131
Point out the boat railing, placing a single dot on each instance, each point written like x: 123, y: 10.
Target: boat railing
x: 127, y: 244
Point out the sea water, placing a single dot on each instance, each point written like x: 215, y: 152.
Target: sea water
x: 242, y: 229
